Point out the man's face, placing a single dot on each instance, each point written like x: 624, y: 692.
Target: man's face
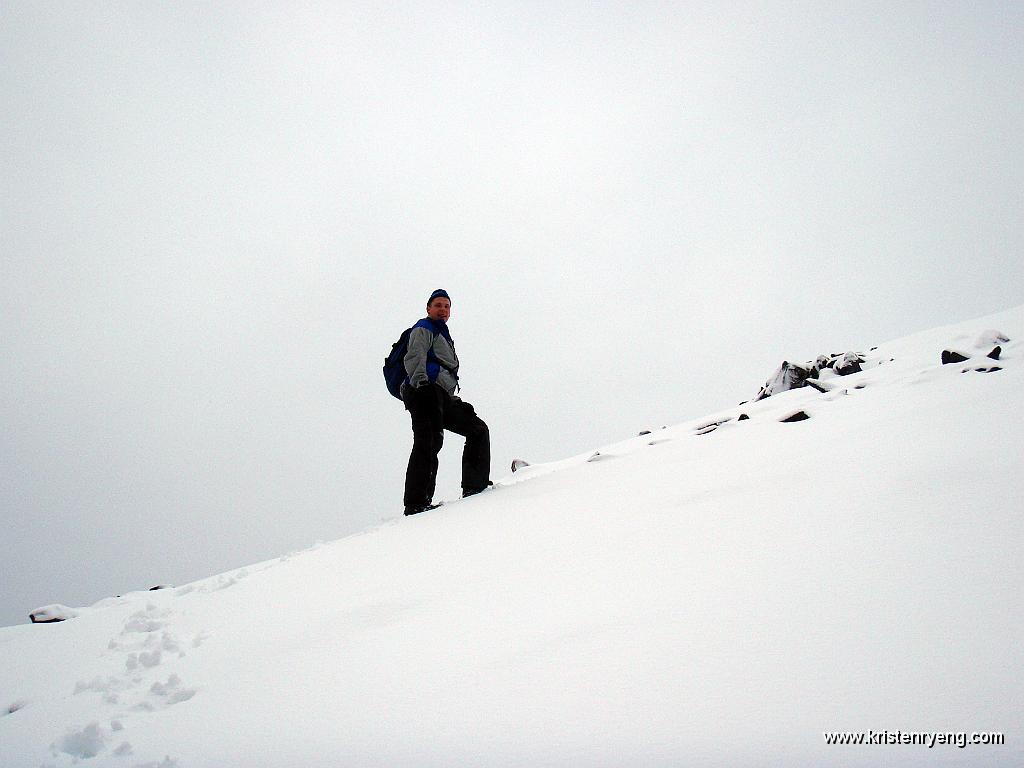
x: 439, y: 309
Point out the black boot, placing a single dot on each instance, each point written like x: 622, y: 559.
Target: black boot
x: 416, y: 510
x: 475, y: 491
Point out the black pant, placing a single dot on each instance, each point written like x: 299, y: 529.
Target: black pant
x: 433, y: 410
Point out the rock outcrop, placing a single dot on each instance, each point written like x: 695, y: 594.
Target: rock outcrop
x: 793, y: 376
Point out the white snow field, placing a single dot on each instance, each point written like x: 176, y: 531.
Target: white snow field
x: 676, y: 599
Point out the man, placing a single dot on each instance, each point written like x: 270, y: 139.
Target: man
x: 432, y: 380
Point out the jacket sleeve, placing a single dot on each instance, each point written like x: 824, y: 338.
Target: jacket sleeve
x: 420, y: 341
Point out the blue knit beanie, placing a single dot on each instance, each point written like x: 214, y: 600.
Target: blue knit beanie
x: 439, y: 292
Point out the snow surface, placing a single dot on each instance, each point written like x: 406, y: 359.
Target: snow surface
x: 720, y: 592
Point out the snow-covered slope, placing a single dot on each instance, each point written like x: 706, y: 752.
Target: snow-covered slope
x: 679, y: 598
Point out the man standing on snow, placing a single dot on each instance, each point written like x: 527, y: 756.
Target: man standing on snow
x: 428, y: 392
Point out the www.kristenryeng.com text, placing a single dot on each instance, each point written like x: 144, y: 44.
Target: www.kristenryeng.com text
x: 930, y: 739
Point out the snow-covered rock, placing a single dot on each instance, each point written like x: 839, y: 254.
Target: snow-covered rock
x: 52, y: 613
x: 793, y: 376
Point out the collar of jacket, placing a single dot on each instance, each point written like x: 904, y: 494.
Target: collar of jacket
x: 438, y: 327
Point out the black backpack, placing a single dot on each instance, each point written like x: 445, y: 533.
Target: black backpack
x: 394, y: 364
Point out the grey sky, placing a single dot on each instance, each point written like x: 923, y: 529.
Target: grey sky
x: 215, y: 219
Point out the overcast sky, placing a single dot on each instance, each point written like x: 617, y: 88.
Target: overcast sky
x: 216, y: 218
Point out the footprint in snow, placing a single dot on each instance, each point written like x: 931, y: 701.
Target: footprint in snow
x: 148, y: 620
x: 90, y: 741
x: 172, y: 691
x: 111, y: 688
x: 164, y: 694
x: 223, y: 582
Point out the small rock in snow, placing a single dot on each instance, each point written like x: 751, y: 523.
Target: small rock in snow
x: 14, y: 706
x: 798, y: 416
x: 952, y: 356
x: 51, y: 613
x: 710, y: 426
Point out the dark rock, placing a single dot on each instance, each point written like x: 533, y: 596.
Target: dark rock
x: 792, y: 376
x: 949, y: 356
x: 712, y: 424
x: 994, y: 354
x: 847, y: 363
x: 743, y: 417
x: 645, y: 432
x: 788, y: 376
x: 159, y: 586
x: 519, y: 464
x: 993, y: 369
x: 798, y: 416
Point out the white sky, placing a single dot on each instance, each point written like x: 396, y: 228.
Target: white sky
x: 215, y: 220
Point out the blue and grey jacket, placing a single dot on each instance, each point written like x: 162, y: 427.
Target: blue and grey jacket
x: 431, y: 356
